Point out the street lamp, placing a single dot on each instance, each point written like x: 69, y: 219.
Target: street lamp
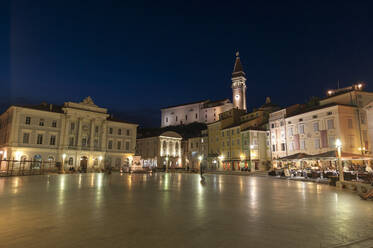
x: 63, y: 163
x: 338, y: 145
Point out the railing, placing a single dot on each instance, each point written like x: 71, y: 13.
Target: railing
x: 26, y: 167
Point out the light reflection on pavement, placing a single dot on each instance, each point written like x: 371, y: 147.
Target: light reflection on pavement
x: 176, y: 210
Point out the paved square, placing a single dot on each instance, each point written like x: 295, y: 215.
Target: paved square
x: 175, y: 210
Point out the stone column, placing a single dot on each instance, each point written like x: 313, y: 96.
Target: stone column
x: 91, y: 139
x: 65, y: 132
x: 103, y: 135
x: 79, y: 141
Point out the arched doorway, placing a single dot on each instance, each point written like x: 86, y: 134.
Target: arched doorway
x: 83, y: 164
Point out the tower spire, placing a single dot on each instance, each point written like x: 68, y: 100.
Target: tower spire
x: 237, y: 69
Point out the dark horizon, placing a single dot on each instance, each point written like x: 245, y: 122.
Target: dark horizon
x: 135, y: 58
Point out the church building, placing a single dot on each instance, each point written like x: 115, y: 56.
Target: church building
x: 207, y: 111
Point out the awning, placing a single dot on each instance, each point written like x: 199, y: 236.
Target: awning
x: 297, y: 156
x: 332, y: 155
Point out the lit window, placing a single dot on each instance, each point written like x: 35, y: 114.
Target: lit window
x: 39, y: 140
x: 52, y: 140
x: 28, y: 120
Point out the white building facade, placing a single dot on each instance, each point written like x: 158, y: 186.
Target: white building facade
x: 203, y: 112
x: 161, y: 150
x: 81, y: 133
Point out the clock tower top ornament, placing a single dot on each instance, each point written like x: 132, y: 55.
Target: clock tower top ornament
x: 238, y: 85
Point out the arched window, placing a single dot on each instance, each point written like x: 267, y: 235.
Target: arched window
x: 50, y: 158
x: 36, y: 164
x: 71, y: 161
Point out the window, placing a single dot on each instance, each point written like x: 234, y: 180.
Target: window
x: 300, y: 120
x: 282, y: 146
x: 71, y: 141
x: 273, y: 148
x: 72, y: 126
x: 191, y: 145
x: 222, y: 134
x: 222, y: 143
x: 232, y: 132
x: 28, y: 120
x: 110, y: 144
x: 291, y: 131
x: 84, y: 141
x: 186, y: 117
x: 128, y: 132
x: 119, y: 131
x: 317, y: 143
x: 281, y: 123
x: 316, y: 126
x: 349, y: 123
x: 303, y: 144
x: 330, y: 124
x: 329, y: 113
x: 71, y: 161
x: 166, y: 119
x: 52, y: 140
x: 39, y: 140
x: 238, y: 142
x: 54, y: 123
x: 273, y: 125
x: 127, y: 146
x: 110, y: 130
x: 26, y: 138
x: 196, y: 116
x: 301, y: 128
x: 176, y: 118
x: 96, y: 129
x: 314, y: 117
x: 119, y: 145
x: 238, y: 131
x: 41, y: 122
x: 95, y: 142
x: 227, y: 133
x: 205, y: 116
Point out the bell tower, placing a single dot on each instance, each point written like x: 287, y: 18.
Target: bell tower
x: 238, y: 85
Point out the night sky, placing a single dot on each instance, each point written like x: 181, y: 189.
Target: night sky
x: 135, y: 57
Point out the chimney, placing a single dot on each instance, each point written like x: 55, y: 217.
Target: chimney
x: 50, y: 107
x: 268, y: 100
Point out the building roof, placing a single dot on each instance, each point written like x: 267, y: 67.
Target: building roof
x: 112, y: 118
x: 43, y: 107
x: 190, y: 103
x: 318, y: 107
x: 238, y: 69
x: 210, y: 104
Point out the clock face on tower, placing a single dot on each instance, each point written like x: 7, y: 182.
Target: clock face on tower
x: 237, y: 97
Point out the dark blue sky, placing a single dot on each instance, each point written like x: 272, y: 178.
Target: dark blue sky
x: 136, y: 57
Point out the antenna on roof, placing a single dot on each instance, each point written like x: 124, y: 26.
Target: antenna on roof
x: 338, y: 84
